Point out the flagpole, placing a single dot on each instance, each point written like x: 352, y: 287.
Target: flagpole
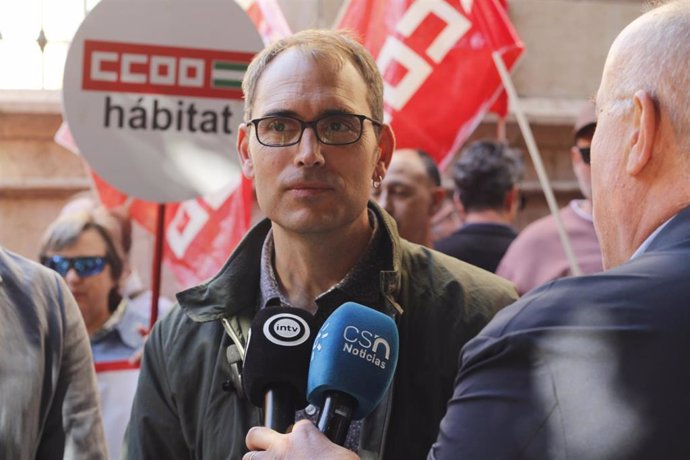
x: 536, y: 160
x: 157, y: 263
x: 501, y: 130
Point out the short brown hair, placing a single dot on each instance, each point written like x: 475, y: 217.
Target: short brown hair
x: 328, y: 46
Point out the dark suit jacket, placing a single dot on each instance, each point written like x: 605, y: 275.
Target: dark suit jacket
x: 594, y: 367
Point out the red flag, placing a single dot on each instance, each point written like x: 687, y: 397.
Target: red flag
x: 436, y: 60
x: 268, y: 19
x: 500, y: 106
x: 199, y: 233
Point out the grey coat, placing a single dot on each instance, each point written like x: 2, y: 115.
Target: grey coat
x: 48, y: 394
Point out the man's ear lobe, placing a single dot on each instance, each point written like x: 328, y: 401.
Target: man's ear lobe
x: 243, y: 151
x: 386, y: 145
x: 645, y: 124
x: 437, y: 196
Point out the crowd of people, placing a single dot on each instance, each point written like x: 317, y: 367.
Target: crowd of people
x: 586, y: 367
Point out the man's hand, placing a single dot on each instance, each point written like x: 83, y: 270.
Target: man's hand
x: 305, y: 442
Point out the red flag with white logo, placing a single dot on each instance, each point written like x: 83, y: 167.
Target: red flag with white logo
x: 435, y: 58
x: 199, y: 233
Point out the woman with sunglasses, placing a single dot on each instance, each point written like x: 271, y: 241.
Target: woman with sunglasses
x: 80, y: 248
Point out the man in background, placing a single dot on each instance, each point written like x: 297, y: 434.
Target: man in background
x: 486, y: 177
x: 537, y: 256
x: 411, y: 192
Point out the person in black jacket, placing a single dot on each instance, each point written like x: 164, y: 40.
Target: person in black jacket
x: 486, y: 177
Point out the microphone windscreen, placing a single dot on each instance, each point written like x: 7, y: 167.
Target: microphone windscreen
x: 355, y: 352
x: 278, y: 351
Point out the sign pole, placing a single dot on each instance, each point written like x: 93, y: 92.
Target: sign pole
x: 536, y: 160
x: 157, y: 263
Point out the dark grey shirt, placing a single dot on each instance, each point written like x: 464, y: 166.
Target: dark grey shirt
x: 359, y: 285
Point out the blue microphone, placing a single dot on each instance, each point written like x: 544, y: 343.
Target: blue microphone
x: 352, y: 365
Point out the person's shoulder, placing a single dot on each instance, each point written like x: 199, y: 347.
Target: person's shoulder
x: 444, y: 271
x: 537, y: 230
x: 19, y: 272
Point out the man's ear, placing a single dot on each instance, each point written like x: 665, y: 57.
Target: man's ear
x: 386, y: 146
x: 575, y: 156
x: 458, y: 204
x: 243, y: 151
x: 437, y: 196
x: 511, y: 201
x: 645, y: 124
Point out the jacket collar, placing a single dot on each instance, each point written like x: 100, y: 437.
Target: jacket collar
x: 234, y: 289
x: 673, y: 233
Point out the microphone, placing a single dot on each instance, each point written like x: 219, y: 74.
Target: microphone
x: 352, y: 365
x: 276, y: 363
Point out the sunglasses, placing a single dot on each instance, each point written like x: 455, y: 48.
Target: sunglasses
x: 584, y: 153
x: 84, y: 266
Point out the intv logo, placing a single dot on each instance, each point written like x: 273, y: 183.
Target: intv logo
x: 152, y: 69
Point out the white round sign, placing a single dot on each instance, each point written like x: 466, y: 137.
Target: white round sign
x: 152, y: 94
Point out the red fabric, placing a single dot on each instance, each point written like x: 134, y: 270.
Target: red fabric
x: 109, y: 366
x: 445, y: 108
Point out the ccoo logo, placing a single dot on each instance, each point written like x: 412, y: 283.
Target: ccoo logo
x: 286, y: 329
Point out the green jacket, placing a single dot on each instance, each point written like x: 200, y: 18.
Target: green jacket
x: 186, y: 406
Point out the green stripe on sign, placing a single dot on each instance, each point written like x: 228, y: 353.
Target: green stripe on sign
x: 227, y: 84
x: 227, y: 74
x: 226, y: 65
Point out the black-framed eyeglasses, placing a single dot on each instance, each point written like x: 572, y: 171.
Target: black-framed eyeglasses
x: 585, y: 154
x: 334, y: 129
x: 84, y: 266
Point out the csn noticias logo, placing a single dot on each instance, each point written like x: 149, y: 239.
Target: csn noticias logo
x: 361, y: 343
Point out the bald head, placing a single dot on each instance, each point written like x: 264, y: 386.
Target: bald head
x: 653, y: 54
x: 641, y: 150
x: 411, y: 193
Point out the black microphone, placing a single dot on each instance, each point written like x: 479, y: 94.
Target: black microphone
x: 352, y: 365
x: 276, y: 363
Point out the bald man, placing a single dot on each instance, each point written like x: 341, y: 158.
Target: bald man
x: 591, y: 367
x: 411, y: 192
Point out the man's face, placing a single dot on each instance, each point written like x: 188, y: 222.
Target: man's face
x: 90, y: 292
x: 582, y: 170
x: 408, y: 194
x: 311, y: 187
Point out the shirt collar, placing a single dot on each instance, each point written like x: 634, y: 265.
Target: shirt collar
x: 356, y: 285
x: 645, y: 244
x: 124, y: 322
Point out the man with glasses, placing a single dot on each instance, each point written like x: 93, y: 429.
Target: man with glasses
x: 80, y: 248
x: 313, y: 141
x: 536, y: 255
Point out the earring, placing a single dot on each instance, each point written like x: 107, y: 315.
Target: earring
x: 376, y: 183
